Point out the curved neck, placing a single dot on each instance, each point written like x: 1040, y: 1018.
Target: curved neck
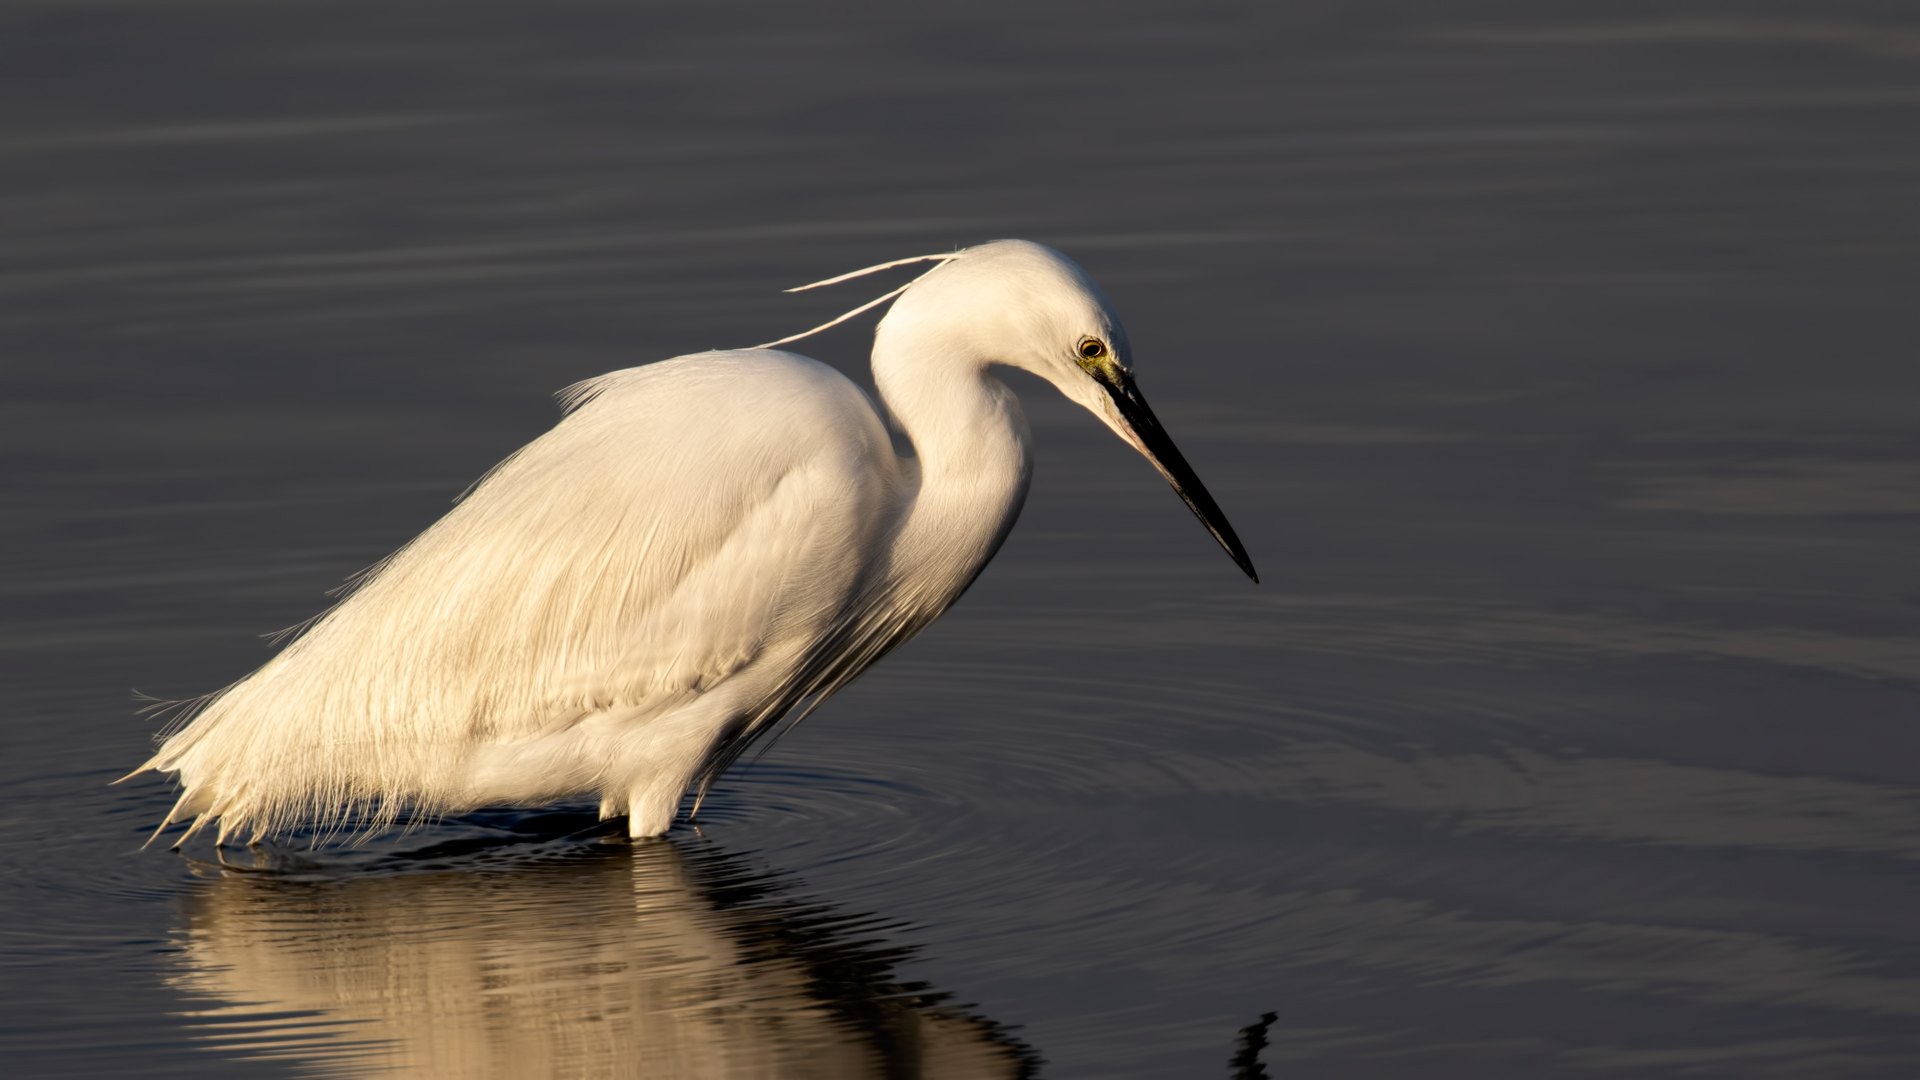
x: 972, y: 442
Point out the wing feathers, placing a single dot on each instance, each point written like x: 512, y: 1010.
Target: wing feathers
x: 685, y: 520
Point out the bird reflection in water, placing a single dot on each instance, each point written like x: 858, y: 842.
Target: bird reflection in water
x: 609, y: 959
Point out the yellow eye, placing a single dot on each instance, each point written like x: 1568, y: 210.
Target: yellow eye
x: 1093, y: 349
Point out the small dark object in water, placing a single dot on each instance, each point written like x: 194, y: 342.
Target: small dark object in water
x: 1246, y: 1056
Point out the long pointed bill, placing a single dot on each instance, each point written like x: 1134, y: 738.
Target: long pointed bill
x: 1141, y: 428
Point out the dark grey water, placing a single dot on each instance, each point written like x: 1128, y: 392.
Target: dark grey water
x: 1556, y: 361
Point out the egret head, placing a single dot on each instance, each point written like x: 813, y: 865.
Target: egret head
x: 1025, y: 305
x: 1028, y: 306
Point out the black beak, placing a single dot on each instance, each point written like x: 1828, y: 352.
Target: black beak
x: 1159, y: 449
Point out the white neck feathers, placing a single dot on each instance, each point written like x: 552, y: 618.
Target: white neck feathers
x: 975, y: 461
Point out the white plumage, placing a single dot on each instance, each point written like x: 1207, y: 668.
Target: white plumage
x: 701, y: 546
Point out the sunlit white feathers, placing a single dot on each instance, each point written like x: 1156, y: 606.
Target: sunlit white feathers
x: 701, y: 546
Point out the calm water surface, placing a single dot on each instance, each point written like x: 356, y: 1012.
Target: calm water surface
x: 1556, y: 361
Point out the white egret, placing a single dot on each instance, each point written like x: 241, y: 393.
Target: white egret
x: 700, y: 547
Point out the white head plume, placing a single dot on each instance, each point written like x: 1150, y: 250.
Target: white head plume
x: 869, y: 305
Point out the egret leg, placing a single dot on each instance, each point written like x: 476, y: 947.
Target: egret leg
x: 650, y: 810
x: 660, y: 757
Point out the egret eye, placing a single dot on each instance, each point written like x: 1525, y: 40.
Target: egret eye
x: 1093, y: 349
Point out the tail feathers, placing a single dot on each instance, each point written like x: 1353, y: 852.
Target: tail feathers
x: 234, y: 815
x: 251, y: 807
x: 193, y: 803
x: 238, y: 782
x: 248, y: 788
